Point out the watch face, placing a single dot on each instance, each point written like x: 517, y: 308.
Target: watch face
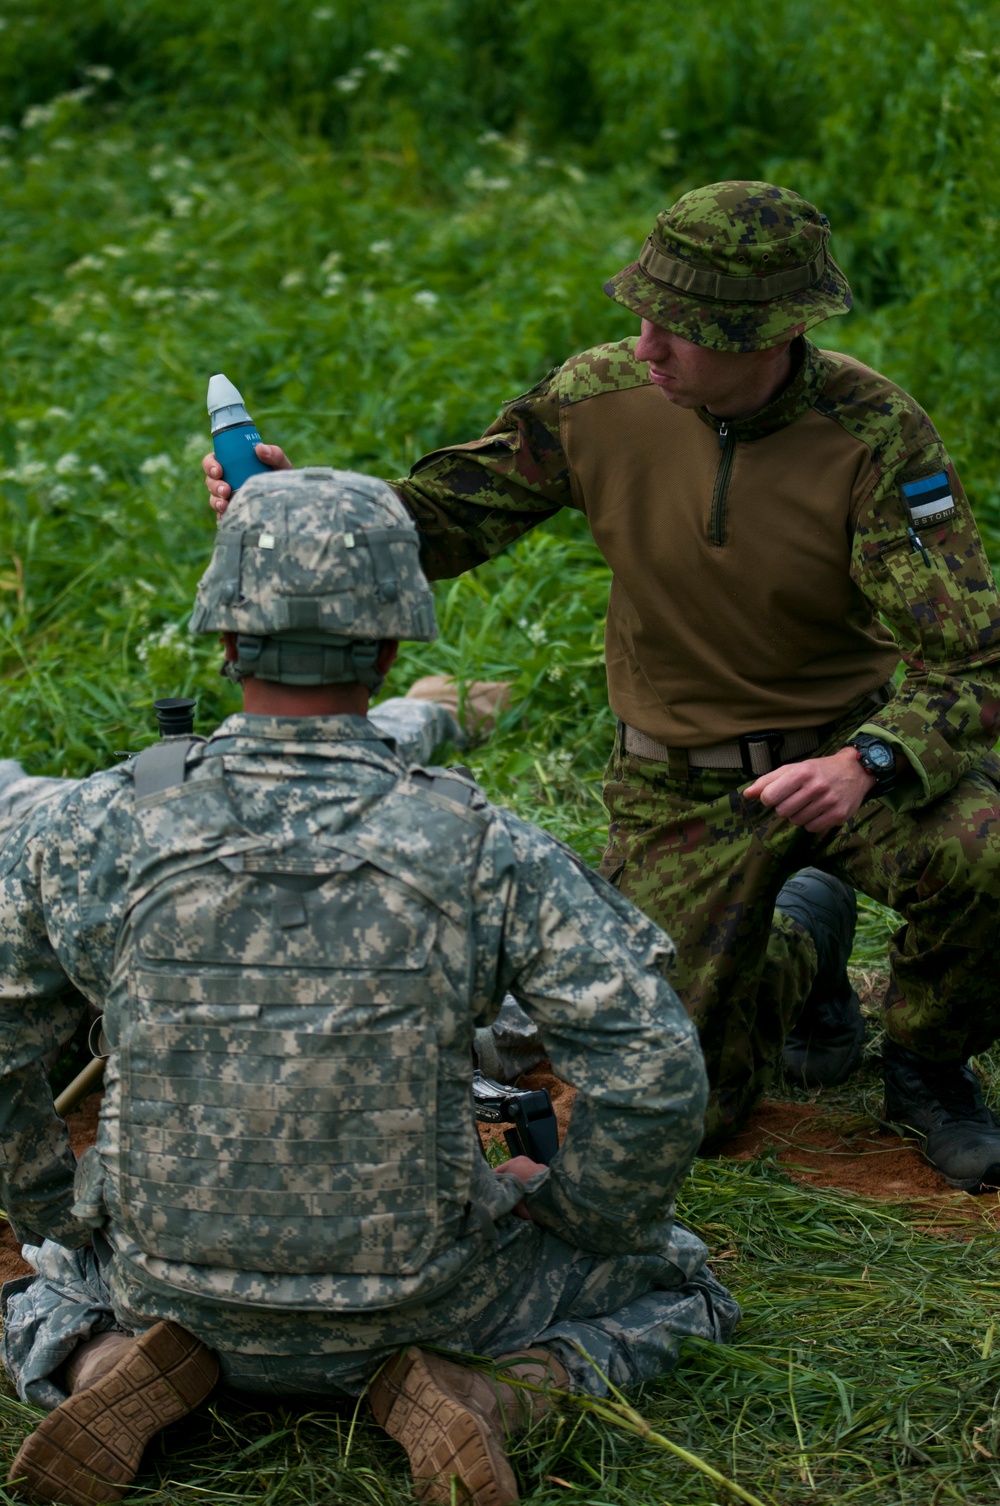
x: 880, y: 755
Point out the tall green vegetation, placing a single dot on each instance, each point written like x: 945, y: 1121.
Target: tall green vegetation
x: 381, y: 221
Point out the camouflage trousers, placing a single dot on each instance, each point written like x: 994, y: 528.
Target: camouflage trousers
x: 707, y: 865
x: 618, y: 1318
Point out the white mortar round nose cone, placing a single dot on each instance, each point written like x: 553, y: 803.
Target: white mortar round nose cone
x: 222, y: 393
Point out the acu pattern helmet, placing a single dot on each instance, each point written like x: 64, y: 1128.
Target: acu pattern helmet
x: 735, y: 266
x: 311, y: 570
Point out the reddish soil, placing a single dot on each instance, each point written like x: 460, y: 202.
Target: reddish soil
x: 82, y: 1128
x: 824, y: 1145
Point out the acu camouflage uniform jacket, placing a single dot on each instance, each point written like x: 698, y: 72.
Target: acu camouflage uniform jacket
x: 767, y: 573
x: 319, y: 812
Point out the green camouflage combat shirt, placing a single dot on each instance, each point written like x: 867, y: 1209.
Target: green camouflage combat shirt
x: 768, y: 572
x: 584, y: 963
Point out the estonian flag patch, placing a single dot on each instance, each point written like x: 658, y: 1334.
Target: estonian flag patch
x: 929, y: 500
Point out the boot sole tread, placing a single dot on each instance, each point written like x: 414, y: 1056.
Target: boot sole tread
x: 89, y: 1449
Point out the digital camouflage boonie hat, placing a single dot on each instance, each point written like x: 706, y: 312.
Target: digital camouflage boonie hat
x: 735, y: 266
x: 311, y: 570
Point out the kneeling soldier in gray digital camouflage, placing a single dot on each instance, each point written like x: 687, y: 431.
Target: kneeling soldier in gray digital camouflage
x: 293, y: 937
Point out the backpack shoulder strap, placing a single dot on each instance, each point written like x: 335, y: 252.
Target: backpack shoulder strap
x: 161, y: 766
x: 451, y: 787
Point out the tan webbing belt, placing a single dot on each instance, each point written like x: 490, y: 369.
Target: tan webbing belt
x: 755, y: 752
x: 758, y: 753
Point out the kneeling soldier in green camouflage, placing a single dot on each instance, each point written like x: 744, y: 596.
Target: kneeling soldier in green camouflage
x: 293, y: 937
x: 783, y: 526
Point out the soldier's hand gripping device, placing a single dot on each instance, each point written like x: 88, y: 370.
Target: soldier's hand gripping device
x: 528, y: 1111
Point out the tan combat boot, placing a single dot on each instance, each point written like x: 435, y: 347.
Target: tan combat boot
x: 453, y: 1420
x: 124, y: 1391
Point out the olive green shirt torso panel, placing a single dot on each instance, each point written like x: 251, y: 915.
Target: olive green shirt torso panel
x: 706, y: 639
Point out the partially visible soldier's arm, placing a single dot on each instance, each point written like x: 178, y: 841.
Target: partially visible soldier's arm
x: 932, y: 583
x: 470, y: 501
x: 49, y: 947
x: 590, y: 970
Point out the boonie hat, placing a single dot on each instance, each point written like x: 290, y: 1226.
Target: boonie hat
x: 311, y: 570
x: 736, y: 266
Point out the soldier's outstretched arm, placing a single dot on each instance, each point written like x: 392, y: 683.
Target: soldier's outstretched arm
x: 470, y: 501
x: 591, y: 970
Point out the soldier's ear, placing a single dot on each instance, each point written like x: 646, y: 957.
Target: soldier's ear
x: 388, y: 650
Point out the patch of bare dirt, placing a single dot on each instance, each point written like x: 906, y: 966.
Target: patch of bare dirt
x: 820, y: 1146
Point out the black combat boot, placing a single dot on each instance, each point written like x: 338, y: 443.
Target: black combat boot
x: 824, y: 1046
x: 941, y: 1104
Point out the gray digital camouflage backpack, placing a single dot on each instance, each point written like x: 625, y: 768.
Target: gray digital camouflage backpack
x: 290, y: 1027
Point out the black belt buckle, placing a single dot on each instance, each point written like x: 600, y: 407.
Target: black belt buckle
x: 772, y: 741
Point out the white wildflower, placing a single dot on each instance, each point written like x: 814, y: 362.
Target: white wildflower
x: 293, y: 279
x: 348, y: 82
x: 380, y: 248
x: 37, y: 115
x: 489, y: 138
x: 55, y: 412
x: 669, y: 134
x: 158, y: 171
x: 160, y: 242
x: 183, y: 164
x: 63, y: 144
x: 60, y: 492
x: 150, y: 297
x: 536, y: 634
x: 331, y: 262
x: 114, y: 251
x: 99, y: 72
x: 390, y: 65
x: 322, y: 13
x: 425, y: 298
x: 574, y: 173
x: 400, y: 50
x: 166, y: 640
x: 555, y: 672
x: 158, y: 465
x: 477, y: 179
x: 334, y: 283
x: 67, y: 464
x: 88, y: 263
x: 546, y: 162
x: 28, y: 472
x: 97, y: 473
x: 8, y: 132
x: 374, y: 55
x: 196, y: 445
x: 181, y: 204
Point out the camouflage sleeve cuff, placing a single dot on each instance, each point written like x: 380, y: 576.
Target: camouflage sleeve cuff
x: 605, y: 1232
x: 943, y: 728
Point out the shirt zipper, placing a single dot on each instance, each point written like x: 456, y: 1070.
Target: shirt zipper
x: 720, y: 495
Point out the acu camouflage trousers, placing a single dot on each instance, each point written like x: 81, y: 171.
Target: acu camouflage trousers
x: 707, y: 865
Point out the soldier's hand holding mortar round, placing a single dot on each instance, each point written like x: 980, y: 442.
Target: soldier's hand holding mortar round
x: 220, y: 491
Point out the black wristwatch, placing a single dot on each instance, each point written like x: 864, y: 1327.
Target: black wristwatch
x: 875, y: 757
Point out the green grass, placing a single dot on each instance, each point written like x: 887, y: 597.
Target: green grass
x: 379, y: 250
